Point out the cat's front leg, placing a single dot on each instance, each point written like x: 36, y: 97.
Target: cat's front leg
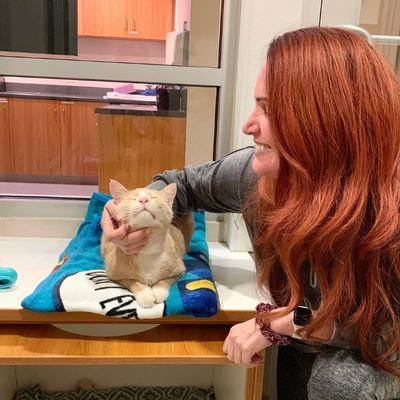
x: 143, y: 294
x: 161, y: 289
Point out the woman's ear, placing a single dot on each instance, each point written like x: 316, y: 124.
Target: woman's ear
x: 170, y: 193
x: 117, y: 190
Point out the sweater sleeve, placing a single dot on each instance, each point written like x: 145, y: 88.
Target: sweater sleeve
x: 218, y: 186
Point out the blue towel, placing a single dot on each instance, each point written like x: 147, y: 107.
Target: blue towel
x: 78, y: 282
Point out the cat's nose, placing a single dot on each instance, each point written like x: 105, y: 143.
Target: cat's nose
x: 143, y: 200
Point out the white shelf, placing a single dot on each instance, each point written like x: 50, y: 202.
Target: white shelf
x: 33, y: 233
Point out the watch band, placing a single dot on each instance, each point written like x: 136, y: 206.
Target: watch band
x: 301, y: 316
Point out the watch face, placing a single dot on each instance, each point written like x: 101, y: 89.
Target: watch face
x: 302, y: 315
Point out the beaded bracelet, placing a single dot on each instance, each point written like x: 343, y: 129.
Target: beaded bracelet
x: 265, y: 329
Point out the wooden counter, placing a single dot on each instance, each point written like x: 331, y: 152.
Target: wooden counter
x: 29, y: 340
x: 137, y: 142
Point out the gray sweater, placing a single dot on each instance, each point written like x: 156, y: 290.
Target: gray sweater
x: 222, y: 186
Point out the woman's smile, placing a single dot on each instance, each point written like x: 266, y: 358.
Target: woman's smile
x: 260, y: 148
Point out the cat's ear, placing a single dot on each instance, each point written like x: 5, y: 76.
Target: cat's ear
x: 170, y: 193
x: 117, y: 190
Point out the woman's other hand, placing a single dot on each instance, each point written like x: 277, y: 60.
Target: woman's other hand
x: 130, y: 242
x: 243, y: 344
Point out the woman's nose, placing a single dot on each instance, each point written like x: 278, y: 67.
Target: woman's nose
x: 249, y: 126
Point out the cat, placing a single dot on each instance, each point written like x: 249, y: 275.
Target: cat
x: 150, y: 273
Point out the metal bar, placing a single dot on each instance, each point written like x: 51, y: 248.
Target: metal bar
x: 386, y: 39
x: 375, y: 39
x: 110, y: 71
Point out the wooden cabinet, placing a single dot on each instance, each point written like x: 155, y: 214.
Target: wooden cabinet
x: 57, y: 349
x: 78, y: 135
x: 49, y: 137
x: 35, y: 136
x: 104, y: 18
x: 133, y: 148
x: 5, y: 155
x: 128, y: 19
x: 168, y: 355
x: 152, y: 18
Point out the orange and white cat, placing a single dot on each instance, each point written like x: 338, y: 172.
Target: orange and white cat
x: 150, y: 273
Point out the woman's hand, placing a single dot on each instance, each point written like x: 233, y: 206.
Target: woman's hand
x: 130, y: 242
x: 243, y: 344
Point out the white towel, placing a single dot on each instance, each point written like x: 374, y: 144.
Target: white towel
x: 133, y: 97
x: 177, y: 48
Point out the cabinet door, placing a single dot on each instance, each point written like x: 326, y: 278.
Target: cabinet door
x: 134, y: 148
x: 151, y: 19
x: 5, y: 156
x: 105, y: 18
x: 135, y: 19
x: 79, y: 149
x: 35, y: 136
x: 80, y: 17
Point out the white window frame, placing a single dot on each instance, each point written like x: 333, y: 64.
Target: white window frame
x: 248, y: 27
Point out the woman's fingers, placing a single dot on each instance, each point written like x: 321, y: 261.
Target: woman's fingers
x: 243, y: 343
x: 111, y: 208
x: 112, y: 229
x: 130, y: 242
x: 132, y: 248
x: 134, y: 241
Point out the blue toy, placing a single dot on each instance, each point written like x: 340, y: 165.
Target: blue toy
x: 8, y: 276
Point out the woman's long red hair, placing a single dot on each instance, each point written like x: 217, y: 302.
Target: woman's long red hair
x: 334, y: 111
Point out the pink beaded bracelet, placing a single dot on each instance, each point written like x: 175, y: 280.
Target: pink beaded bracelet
x: 265, y: 329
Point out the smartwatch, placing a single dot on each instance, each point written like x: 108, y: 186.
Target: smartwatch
x: 301, y: 316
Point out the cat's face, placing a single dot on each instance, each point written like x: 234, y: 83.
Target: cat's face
x: 144, y: 207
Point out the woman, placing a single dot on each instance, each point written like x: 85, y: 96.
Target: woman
x: 320, y: 197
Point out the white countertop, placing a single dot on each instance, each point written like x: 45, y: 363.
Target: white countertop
x: 33, y: 233
x: 34, y: 258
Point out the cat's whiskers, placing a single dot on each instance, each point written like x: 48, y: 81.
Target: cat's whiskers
x: 177, y: 222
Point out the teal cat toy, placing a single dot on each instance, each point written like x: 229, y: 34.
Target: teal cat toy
x: 8, y: 276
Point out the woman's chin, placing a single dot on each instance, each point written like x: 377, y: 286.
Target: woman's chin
x: 263, y: 168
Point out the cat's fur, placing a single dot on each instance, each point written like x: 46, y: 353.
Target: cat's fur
x: 150, y: 273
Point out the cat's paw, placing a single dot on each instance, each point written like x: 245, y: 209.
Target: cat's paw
x: 146, y: 298
x: 160, y: 293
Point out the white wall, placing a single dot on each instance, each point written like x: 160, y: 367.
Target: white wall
x: 119, y: 50
x: 341, y: 12
x: 182, y: 14
x: 260, y: 22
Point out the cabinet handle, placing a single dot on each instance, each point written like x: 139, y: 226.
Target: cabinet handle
x: 133, y: 27
x: 67, y: 102
x: 126, y: 24
x: 5, y: 101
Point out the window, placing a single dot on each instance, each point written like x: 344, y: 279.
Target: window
x: 55, y: 108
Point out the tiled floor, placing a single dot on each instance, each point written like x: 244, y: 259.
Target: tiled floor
x: 46, y: 190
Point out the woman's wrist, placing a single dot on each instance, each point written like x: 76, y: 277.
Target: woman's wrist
x: 283, y: 325
x: 266, y: 326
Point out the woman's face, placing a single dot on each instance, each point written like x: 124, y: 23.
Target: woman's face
x: 266, y: 158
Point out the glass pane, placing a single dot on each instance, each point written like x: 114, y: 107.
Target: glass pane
x: 172, y: 32
x: 68, y: 138
x: 382, y: 17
